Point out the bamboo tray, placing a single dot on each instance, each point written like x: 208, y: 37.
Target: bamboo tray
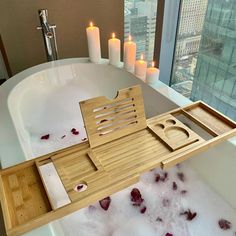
x: 122, y: 145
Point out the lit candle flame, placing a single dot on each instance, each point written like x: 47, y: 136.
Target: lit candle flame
x: 91, y: 24
x: 142, y: 56
x: 113, y: 35
x: 153, y: 64
x: 130, y: 38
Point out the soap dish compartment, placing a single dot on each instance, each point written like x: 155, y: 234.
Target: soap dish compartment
x: 173, y: 133
x: 75, y: 173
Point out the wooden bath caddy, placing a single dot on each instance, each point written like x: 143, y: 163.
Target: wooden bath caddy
x: 121, y: 145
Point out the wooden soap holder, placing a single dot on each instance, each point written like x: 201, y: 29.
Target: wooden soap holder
x: 173, y: 133
x: 121, y: 145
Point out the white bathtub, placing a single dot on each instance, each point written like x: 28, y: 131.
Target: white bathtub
x: 46, y: 99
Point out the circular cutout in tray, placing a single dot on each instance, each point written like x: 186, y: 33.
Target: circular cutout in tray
x: 170, y: 122
x: 159, y: 125
x: 81, y: 187
x: 176, y: 133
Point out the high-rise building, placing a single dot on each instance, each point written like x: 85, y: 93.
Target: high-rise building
x: 215, y: 76
x: 140, y: 23
x: 191, y: 20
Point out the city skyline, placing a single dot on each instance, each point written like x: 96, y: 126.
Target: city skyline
x: 140, y: 23
x: 190, y: 26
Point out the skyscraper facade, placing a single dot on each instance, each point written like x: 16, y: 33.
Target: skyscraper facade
x: 140, y: 23
x: 191, y: 19
x: 215, y: 75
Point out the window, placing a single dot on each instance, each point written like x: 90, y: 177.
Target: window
x: 204, y: 65
x: 140, y: 23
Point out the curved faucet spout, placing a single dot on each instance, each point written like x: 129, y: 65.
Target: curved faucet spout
x: 49, y: 35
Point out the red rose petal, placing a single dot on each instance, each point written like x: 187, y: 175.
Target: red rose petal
x: 45, y: 136
x: 105, y: 203
x: 164, y: 177
x: 174, y: 186
x: 159, y: 219
x: 181, y: 176
x: 143, y: 210
x: 79, y: 187
x: 224, y: 224
x: 73, y: 130
x: 136, y: 197
x: 189, y: 215
x: 157, y: 178
x: 104, y: 120
x: 168, y: 234
x: 63, y: 136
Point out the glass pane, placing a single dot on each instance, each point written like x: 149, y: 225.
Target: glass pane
x: 204, y: 64
x: 140, y: 23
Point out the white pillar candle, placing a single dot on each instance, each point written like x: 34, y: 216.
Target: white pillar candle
x: 140, y: 68
x: 152, y: 74
x: 94, y: 48
x: 114, y: 50
x: 129, y: 55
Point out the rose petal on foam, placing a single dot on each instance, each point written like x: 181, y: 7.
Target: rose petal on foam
x: 159, y: 219
x: 76, y: 133
x: 157, y: 179
x: 164, y: 177
x: 143, y: 210
x: 189, y: 215
x: 136, y: 197
x: 224, y: 224
x: 174, y: 186
x: 73, y: 130
x: 105, y: 203
x: 45, y: 137
x: 181, y: 176
x: 169, y: 234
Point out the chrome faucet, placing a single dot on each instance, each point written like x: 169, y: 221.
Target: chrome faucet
x: 49, y: 35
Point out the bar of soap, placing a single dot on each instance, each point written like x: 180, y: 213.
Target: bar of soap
x: 55, y: 189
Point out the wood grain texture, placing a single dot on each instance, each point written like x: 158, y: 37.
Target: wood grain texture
x: 26, y: 197
x: 106, y: 120
x: 161, y: 141
x: 211, y: 119
x: 174, y: 133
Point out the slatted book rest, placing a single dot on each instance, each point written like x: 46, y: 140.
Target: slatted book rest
x: 106, y: 120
